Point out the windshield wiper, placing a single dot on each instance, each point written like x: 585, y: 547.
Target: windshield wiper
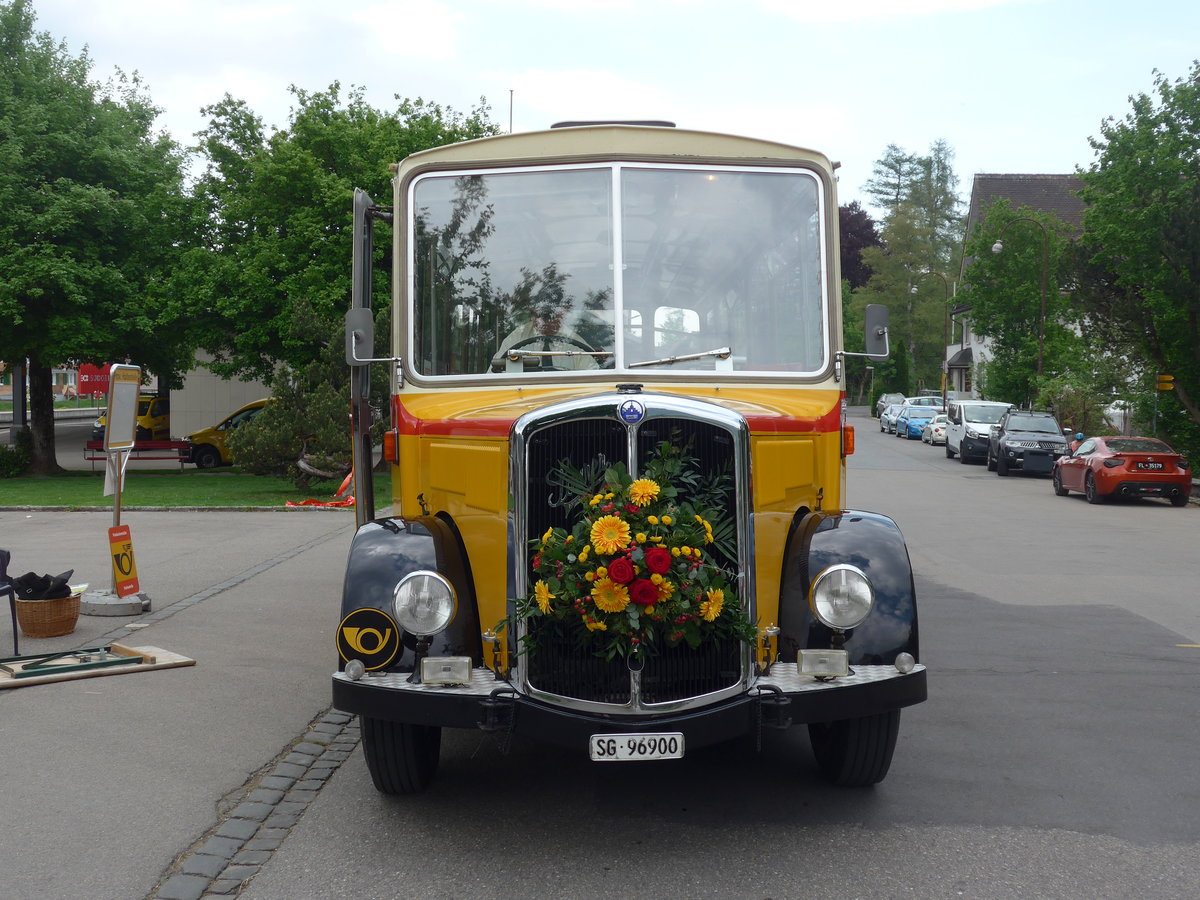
x: 719, y: 353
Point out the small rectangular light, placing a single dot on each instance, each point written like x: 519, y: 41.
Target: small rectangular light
x: 446, y: 669
x: 824, y: 663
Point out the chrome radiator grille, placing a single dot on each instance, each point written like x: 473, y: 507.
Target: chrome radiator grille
x: 559, y: 662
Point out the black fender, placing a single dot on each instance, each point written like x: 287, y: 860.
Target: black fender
x: 384, y: 551
x: 873, y: 543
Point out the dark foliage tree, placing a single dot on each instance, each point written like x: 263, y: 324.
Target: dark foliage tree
x: 858, y: 231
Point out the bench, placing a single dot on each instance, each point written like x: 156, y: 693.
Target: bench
x: 174, y: 450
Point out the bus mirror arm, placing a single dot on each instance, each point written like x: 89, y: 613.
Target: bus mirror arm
x: 875, y: 334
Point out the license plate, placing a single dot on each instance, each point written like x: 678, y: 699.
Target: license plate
x: 626, y: 747
x: 1149, y: 466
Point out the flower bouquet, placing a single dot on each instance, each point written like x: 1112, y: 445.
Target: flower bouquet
x: 645, y: 562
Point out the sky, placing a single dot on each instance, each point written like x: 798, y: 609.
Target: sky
x: 1013, y: 86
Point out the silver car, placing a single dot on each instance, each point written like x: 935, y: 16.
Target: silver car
x: 887, y: 420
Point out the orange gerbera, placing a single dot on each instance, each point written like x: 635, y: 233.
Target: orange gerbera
x: 610, y: 534
x: 644, y: 491
x: 610, y: 596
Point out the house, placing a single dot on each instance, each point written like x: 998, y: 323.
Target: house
x: 1057, y: 194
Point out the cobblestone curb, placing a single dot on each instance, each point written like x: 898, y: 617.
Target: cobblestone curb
x: 221, y: 863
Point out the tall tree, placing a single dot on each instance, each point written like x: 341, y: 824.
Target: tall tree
x: 1142, y: 227
x: 92, y: 216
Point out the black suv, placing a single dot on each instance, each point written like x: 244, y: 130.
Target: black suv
x: 1025, y: 440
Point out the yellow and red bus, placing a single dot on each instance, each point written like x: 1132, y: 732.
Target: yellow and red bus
x: 617, y: 443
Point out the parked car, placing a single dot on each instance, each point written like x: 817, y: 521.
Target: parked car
x: 153, y: 419
x: 1103, y: 467
x: 1031, y: 441
x: 926, y: 400
x: 887, y: 421
x: 969, y: 427
x: 912, y: 420
x: 934, y: 431
x: 885, y: 401
x: 209, y: 449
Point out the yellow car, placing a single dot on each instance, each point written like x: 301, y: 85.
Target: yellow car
x: 153, y: 420
x: 208, y: 444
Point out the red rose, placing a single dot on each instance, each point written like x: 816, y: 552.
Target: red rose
x: 658, y: 560
x: 620, y: 570
x: 643, y: 592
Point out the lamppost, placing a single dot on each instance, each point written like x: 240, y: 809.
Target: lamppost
x: 999, y: 246
x: 945, y: 328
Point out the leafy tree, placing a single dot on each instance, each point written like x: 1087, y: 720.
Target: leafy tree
x: 1005, y: 292
x: 270, y: 279
x: 924, y: 189
x: 891, y: 178
x: 1141, y: 285
x: 276, y: 246
x: 92, y: 217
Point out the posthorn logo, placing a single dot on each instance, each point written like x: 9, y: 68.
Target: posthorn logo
x: 631, y: 411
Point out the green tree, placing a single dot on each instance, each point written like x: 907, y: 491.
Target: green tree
x: 1141, y: 285
x: 270, y: 279
x: 93, y: 214
x: 1007, y: 290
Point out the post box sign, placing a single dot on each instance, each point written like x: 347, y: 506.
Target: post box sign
x: 120, y: 543
x: 124, y: 383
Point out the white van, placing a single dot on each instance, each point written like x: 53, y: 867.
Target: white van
x: 968, y: 425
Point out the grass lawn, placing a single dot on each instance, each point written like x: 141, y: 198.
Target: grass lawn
x: 172, y: 489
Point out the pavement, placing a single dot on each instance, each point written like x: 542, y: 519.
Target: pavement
x: 174, y: 783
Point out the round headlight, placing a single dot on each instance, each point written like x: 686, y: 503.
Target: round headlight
x: 424, y: 603
x: 842, y: 596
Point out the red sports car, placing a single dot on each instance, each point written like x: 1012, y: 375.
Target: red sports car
x: 1103, y: 467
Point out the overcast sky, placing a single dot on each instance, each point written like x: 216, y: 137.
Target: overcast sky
x: 1011, y: 85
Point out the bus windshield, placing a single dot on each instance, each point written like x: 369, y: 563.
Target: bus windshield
x: 534, y: 271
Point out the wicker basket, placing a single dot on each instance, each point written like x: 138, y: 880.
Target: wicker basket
x: 48, y: 618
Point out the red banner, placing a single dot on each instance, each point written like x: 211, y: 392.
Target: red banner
x: 93, y: 380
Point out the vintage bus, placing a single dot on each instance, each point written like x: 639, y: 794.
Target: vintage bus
x: 617, y: 443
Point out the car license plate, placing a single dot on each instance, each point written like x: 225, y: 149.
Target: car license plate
x: 626, y: 747
x: 1153, y: 466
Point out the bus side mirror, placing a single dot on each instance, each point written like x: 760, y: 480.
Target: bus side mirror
x: 360, y: 336
x: 876, y: 337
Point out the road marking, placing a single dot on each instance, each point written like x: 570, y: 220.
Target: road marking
x: 1193, y: 646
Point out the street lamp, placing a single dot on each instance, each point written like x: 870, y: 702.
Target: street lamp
x: 945, y: 328
x: 999, y: 247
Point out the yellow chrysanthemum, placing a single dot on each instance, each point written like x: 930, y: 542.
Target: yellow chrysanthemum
x: 656, y: 578
x: 589, y: 576
x: 609, y: 496
x: 644, y: 491
x: 675, y: 551
x: 666, y: 590
x: 641, y: 537
x: 602, y: 572
x: 549, y: 534
x: 685, y: 550
x: 610, y: 596
x: 541, y: 593
x: 595, y: 501
x: 593, y: 625
x: 610, y: 534
x: 666, y: 520
x: 711, y: 608
x: 583, y: 554
x: 653, y: 520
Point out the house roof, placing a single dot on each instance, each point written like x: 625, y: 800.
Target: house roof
x: 1058, y: 194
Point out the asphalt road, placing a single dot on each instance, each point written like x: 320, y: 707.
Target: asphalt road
x: 1054, y: 758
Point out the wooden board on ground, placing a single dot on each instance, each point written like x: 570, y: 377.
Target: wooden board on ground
x: 141, y: 659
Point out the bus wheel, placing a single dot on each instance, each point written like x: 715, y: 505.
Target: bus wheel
x: 855, y: 752
x: 401, y: 758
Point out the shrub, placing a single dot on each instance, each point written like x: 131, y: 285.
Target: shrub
x: 15, y: 460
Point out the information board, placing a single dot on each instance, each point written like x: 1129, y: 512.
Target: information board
x: 120, y: 427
